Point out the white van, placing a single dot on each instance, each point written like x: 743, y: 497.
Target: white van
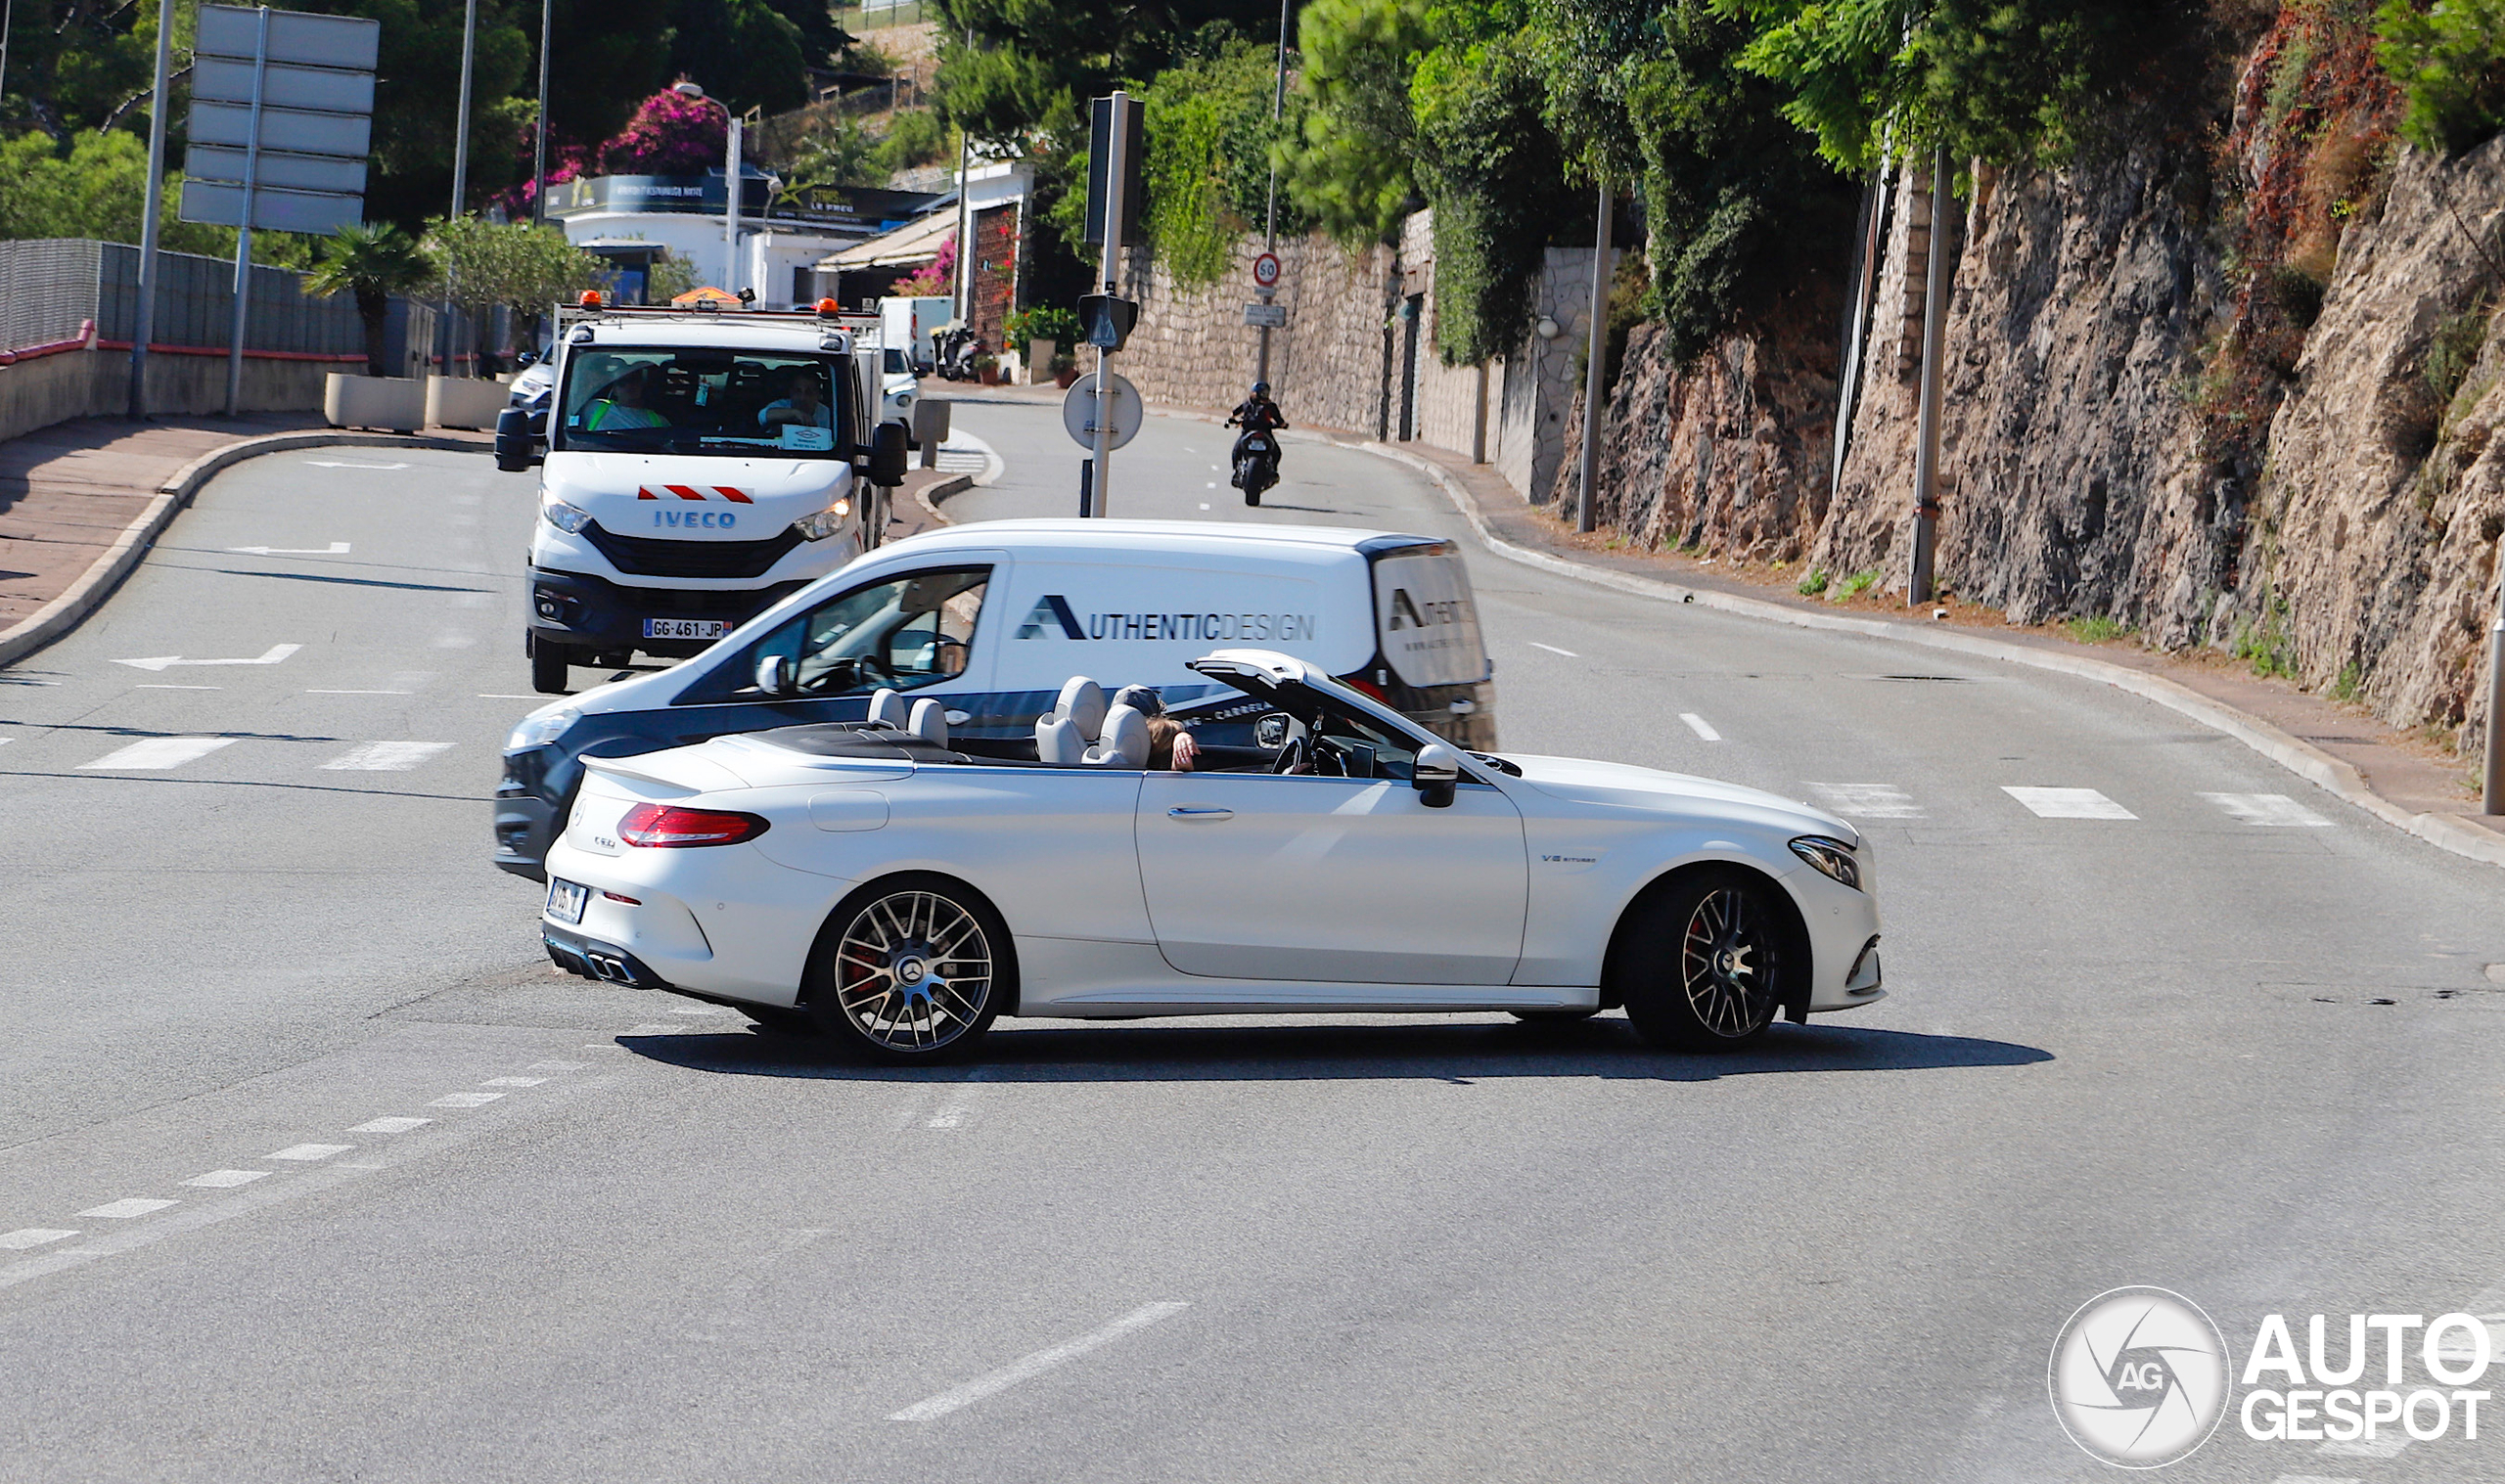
x: 990, y: 619
x: 700, y: 465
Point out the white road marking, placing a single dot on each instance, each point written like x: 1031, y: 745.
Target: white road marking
x: 124, y: 1210
x: 465, y: 1100
x: 456, y: 642
x: 272, y: 656
x: 2266, y: 809
x: 386, y: 756
x: 1205, y: 504
x: 356, y: 693
x: 157, y: 755
x: 310, y: 1151
x: 513, y: 1082
x: 335, y: 464
x: 555, y: 1066
x: 32, y: 1237
x: 226, y: 1179
x: 2068, y: 803
x: 152, y: 685
x: 1034, y: 1365
x: 1552, y: 648
x: 1871, y: 801
x: 335, y: 549
x: 389, y: 1125
x: 1697, y: 724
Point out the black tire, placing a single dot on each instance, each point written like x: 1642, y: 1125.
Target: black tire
x: 548, y: 664
x: 1552, y: 1016
x: 878, y: 983
x: 1701, y: 965
x: 1252, y: 496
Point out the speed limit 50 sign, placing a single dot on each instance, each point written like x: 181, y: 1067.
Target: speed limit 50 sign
x: 1265, y: 270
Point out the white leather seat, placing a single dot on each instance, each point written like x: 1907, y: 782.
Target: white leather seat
x: 1064, y: 733
x: 887, y: 709
x: 1123, y: 742
x: 929, y: 722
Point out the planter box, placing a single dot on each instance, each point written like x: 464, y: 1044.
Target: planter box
x: 1067, y: 379
x: 398, y: 403
x: 465, y: 402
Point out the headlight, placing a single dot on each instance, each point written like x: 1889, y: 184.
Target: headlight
x: 824, y: 522
x: 565, y: 517
x: 540, y: 728
x: 1832, y: 857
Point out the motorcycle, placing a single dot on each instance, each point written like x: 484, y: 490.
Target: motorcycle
x: 1257, y: 464
x: 956, y: 347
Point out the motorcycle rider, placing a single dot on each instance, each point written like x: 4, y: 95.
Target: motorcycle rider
x: 1255, y: 414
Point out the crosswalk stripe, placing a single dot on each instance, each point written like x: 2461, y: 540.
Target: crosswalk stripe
x: 2068, y: 803
x: 2266, y: 809
x: 1870, y: 801
x: 157, y: 755
x: 384, y: 757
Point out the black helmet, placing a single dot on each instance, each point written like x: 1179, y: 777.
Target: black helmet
x: 1260, y: 389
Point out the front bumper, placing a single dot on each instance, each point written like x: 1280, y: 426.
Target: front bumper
x: 591, y: 612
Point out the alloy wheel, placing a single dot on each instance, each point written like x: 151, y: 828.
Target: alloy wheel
x: 913, y: 971
x: 1725, y: 964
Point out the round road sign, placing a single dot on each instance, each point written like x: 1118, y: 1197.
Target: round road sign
x: 1265, y: 270
x: 1079, y: 410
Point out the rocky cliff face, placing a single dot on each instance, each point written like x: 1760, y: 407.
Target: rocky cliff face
x: 2375, y: 530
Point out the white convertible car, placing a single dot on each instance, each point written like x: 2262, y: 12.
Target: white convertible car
x: 865, y: 879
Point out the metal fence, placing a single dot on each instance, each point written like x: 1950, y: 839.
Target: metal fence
x: 53, y: 286
x: 876, y: 14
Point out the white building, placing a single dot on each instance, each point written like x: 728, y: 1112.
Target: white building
x: 630, y: 219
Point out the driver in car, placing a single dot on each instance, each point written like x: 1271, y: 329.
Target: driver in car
x: 621, y: 405
x: 1171, y: 748
x: 800, y: 404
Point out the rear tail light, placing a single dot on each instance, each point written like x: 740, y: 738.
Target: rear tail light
x: 668, y: 827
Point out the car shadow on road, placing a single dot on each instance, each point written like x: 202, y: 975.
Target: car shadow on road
x: 1465, y: 1051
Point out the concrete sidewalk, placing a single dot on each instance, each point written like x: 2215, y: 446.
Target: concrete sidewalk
x: 81, y: 501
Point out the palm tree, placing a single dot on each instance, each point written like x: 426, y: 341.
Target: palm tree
x: 372, y: 260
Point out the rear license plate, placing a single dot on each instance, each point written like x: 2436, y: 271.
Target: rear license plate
x: 565, y: 899
x: 685, y: 628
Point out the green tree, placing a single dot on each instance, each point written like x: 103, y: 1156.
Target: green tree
x: 372, y: 261
x: 1209, y: 138
x: 417, y: 96
x: 1349, y: 167
x: 522, y: 268
x: 745, y: 52
x: 98, y: 188
x: 2449, y: 59
x: 1033, y: 61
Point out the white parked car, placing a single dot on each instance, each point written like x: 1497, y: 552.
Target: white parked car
x: 899, y: 897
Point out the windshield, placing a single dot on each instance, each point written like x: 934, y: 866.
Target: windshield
x: 701, y: 400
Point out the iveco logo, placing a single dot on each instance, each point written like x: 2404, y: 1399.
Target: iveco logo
x: 712, y: 519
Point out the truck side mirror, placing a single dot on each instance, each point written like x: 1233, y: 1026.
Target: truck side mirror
x: 1436, y: 774
x: 774, y: 674
x: 887, y: 455
x: 515, y: 449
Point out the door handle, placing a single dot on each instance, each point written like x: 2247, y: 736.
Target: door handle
x: 1189, y: 812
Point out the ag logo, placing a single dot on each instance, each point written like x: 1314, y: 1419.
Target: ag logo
x: 2139, y: 1378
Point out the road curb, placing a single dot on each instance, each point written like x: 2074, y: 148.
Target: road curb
x: 930, y: 494
x: 97, y: 583
x: 2443, y: 831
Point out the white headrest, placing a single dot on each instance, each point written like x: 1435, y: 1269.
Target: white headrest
x: 929, y: 722
x: 1057, y: 742
x: 1083, y: 701
x: 887, y: 709
x: 1124, y: 743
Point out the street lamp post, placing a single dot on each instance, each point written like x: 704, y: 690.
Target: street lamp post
x: 730, y: 182
x: 460, y: 162
x: 539, y: 143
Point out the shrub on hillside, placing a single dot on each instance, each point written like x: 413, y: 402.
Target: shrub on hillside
x: 2449, y: 61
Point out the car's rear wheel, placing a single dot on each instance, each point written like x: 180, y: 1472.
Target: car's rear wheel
x: 548, y: 664
x: 911, y: 969
x: 1701, y: 965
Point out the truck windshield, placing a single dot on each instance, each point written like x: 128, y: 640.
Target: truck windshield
x: 690, y: 400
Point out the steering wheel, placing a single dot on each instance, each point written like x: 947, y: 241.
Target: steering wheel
x: 1291, y: 756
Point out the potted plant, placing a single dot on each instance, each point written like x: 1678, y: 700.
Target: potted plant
x: 1065, y: 371
x: 987, y: 369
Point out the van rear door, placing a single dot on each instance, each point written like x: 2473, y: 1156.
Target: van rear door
x: 1431, y: 654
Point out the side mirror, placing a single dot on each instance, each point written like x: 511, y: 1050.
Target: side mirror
x: 515, y: 449
x: 1436, y: 774
x: 887, y: 455
x: 774, y: 675
x: 523, y: 358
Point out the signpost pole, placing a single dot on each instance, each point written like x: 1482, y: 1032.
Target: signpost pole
x: 539, y: 141
x: 244, y: 232
x: 1117, y: 173
x: 460, y: 164
x: 146, y: 326
x: 731, y: 204
x: 1271, y: 227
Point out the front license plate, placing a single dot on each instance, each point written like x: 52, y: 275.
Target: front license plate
x: 685, y: 628
x: 565, y: 899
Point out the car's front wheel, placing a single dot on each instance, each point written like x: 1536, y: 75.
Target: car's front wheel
x: 1701, y: 965
x: 910, y: 970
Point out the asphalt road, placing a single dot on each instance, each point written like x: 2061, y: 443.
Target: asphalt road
x: 2222, y: 1034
